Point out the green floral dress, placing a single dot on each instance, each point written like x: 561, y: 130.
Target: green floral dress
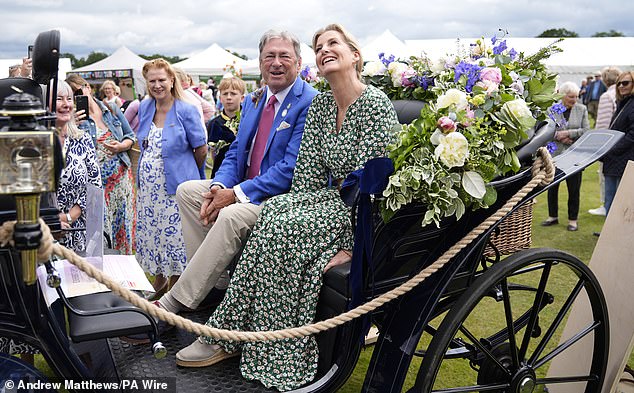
x: 277, y: 281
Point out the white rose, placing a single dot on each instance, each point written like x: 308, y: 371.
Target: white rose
x: 518, y: 108
x: 373, y: 68
x: 453, y: 97
x: 438, y: 66
x: 396, y: 71
x: 452, y: 150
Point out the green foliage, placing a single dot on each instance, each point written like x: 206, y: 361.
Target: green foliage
x: 611, y: 33
x: 170, y: 59
x: 243, y: 57
x: 556, y: 33
x: 93, y: 57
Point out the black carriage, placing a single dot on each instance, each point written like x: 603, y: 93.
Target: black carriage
x: 435, y: 324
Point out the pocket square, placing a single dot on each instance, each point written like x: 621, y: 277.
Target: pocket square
x: 283, y: 125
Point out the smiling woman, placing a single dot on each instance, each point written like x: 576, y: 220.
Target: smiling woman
x: 344, y: 128
x: 173, y: 145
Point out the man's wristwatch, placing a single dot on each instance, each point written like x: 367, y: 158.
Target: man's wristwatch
x: 69, y: 218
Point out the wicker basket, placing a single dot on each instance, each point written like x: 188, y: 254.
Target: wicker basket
x: 515, y: 232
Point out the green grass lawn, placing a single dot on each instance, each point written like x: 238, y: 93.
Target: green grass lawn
x: 580, y: 244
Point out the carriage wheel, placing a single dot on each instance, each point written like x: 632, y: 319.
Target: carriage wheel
x: 510, y: 321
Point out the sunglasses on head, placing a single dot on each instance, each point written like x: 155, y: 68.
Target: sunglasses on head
x: 623, y: 83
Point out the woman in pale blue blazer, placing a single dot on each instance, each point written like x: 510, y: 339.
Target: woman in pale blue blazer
x: 573, y: 125
x: 173, y: 145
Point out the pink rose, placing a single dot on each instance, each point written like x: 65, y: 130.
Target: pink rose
x: 492, y: 74
x: 408, y: 77
x: 446, y: 125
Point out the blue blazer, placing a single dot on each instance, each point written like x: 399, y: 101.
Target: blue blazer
x: 282, y: 147
x: 182, y: 132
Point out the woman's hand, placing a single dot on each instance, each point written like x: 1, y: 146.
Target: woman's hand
x: 80, y: 116
x: 64, y: 221
x: 343, y: 256
x: 116, y: 147
x: 562, y: 135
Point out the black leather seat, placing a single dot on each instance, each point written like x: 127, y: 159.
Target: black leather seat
x: 104, y: 315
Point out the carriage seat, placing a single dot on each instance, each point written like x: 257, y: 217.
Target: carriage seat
x: 104, y: 315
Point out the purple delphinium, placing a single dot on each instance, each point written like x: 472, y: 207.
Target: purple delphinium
x: 386, y: 61
x: 551, y: 147
x: 499, y: 48
x: 305, y: 72
x: 425, y: 81
x: 558, y: 107
x: 472, y: 71
x: 555, y: 113
x: 512, y: 53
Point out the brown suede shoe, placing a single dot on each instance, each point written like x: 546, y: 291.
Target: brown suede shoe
x: 200, y: 354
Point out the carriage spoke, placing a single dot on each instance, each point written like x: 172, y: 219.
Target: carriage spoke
x: 509, y: 324
x: 566, y: 345
x: 475, y: 388
x: 484, y: 350
x: 556, y: 322
x: 555, y: 380
x: 541, y: 289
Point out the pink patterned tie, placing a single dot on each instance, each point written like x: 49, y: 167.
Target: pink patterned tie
x: 264, y: 129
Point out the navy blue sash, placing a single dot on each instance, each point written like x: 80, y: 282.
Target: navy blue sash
x: 358, y: 189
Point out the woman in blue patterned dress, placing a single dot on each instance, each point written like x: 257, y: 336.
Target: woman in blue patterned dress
x: 173, y: 147
x: 300, y: 235
x: 113, y: 137
x: 81, y: 169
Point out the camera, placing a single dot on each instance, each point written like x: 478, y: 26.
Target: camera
x: 31, y: 156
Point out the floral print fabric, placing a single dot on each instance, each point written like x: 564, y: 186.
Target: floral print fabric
x: 81, y: 169
x: 160, y: 248
x: 120, y: 215
x: 277, y: 281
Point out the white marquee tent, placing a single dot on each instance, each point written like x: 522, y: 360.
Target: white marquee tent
x: 212, y: 61
x: 124, y: 65
x: 386, y: 43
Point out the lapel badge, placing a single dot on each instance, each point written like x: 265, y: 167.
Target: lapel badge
x: 285, y: 111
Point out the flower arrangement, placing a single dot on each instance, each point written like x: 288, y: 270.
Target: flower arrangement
x: 479, y: 107
x: 311, y: 75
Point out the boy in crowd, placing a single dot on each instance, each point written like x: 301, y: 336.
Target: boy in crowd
x: 225, y: 126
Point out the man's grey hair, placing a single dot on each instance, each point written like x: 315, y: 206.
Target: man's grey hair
x: 284, y: 35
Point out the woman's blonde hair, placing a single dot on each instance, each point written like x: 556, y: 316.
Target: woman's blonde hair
x: 176, y: 90
x: 619, y: 97
x: 108, y: 83
x: 72, y: 131
x: 352, y: 42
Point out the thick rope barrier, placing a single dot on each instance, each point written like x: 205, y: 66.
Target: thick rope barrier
x: 543, y: 172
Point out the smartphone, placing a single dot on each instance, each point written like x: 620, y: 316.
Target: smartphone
x: 30, y: 51
x: 81, y: 102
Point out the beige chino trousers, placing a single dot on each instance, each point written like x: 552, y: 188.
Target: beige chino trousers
x: 210, y: 249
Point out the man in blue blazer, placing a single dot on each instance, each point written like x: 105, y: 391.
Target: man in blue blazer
x: 219, y: 214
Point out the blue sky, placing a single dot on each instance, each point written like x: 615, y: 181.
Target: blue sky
x: 186, y: 26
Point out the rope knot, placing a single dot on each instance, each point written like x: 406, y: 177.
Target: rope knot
x: 544, y: 162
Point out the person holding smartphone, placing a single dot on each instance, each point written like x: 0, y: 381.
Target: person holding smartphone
x: 81, y: 169
x: 114, y: 138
